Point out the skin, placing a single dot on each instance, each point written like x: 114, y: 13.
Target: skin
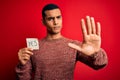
x: 91, y: 37
x: 53, y: 22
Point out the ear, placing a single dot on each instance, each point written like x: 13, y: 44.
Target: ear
x: 43, y: 22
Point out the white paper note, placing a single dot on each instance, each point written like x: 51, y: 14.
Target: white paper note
x: 32, y: 43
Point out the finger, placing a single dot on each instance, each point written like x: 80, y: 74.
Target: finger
x: 84, y: 31
x: 93, y: 25
x: 25, y: 51
x: 74, y: 46
x: 25, y: 55
x: 89, y: 24
x: 98, y: 29
x: 26, y: 58
x: 29, y: 49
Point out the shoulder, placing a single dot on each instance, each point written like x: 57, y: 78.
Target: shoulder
x: 41, y: 41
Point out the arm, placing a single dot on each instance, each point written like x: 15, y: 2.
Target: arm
x: 24, y: 68
x: 23, y: 72
x: 96, y: 61
x: 89, y: 51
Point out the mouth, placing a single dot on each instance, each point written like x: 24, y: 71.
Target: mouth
x: 56, y: 28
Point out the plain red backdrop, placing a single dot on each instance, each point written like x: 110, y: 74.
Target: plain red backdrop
x: 20, y: 19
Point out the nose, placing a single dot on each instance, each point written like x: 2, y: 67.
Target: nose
x: 55, y: 21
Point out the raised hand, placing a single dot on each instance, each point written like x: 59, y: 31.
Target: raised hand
x: 91, y: 37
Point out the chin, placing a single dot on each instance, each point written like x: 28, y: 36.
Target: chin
x: 56, y: 32
x: 53, y: 32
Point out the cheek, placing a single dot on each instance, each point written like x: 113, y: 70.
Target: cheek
x: 60, y: 22
x: 49, y: 25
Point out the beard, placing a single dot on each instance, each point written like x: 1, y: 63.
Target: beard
x: 55, y: 30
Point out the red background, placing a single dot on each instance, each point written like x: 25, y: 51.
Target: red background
x: 20, y: 19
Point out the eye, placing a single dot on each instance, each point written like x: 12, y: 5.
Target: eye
x: 58, y: 17
x: 50, y: 18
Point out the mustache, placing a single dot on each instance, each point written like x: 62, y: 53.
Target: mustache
x: 57, y: 27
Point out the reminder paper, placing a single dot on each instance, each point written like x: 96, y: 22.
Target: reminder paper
x: 32, y: 43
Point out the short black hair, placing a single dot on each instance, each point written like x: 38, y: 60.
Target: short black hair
x: 48, y: 7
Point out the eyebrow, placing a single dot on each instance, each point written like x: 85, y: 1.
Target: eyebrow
x: 58, y: 16
x: 54, y: 17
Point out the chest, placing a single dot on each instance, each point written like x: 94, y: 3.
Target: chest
x: 54, y: 53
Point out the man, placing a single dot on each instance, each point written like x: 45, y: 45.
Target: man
x: 56, y: 58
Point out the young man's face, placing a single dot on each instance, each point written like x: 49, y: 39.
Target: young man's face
x: 53, y: 21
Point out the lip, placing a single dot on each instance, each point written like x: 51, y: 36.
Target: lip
x: 56, y: 28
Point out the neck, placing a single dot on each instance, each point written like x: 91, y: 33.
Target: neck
x: 53, y: 36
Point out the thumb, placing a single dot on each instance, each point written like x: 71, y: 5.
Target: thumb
x: 74, y: 46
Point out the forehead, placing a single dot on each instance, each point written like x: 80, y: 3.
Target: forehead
x: 53, y: 13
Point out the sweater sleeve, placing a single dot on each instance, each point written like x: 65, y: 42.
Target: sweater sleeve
x: 96, y: 61
x: 23, y: 72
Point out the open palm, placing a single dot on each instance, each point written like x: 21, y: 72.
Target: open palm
x: 91, y: 37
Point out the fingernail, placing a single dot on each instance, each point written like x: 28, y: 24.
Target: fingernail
x: 87, y: 16
x: 82, y: 19
x: 92, y: 18
x: 69, y: 44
